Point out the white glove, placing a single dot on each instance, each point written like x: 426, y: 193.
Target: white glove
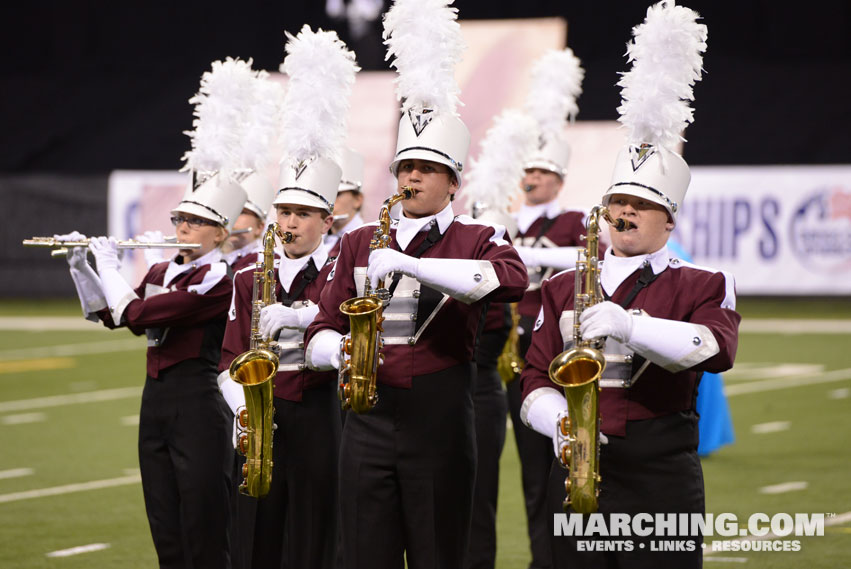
x: 277, y: 316
x: 384, y: 261
x: 234, y: 396
x: 606, y: 319
x: 76, y: 255
x: 323, y: 351
x: 527, y: 255
x: 105, y: 251
x: 152, y: 256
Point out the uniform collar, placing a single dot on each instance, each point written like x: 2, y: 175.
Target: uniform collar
x: 408, y: 227
x: 252, y: 247
x: 355, y: 222
x: 289, y: 268
x: 616, y: 269
x: 175, y: 269
x: 527, y: 214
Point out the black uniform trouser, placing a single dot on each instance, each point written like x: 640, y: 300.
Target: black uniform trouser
x: 490, y: 408
x: 185, y: 458
x: 654, y: 469
x: 407, y: 470
x: 536, y: 456
x: 295, y: 525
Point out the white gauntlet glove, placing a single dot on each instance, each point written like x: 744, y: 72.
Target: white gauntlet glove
x: 152, y: 256
x: 323, y: 351
x: 559, y: 258
x: 234, y: 396
x: 275, y: 317
x: 384, y: 261
x: 606, y: 319
x: 117, y: 292
x: 105, y: 251
x: 76, y: 256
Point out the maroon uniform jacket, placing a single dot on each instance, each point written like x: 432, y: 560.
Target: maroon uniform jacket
x: 288, y: 384
x: 446, y: 335
x: 565, y: 230
x: 245, y: 257
x: 682, y: 292
x: 183, y: 318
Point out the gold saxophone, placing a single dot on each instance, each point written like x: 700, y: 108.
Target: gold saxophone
x: 509, y: 364
x: 578, y: 372
x: 255, y: 370
x: 360, y: 353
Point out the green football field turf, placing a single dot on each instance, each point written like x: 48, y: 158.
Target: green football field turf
x: 69, y: 473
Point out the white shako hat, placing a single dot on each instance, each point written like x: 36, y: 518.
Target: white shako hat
x: 260, y: 191
x: 213, y: 197
x: 352, y: 166
x: 424, y: 39
x: 552, y: 154
x: 493, y: 177
x: 321, y: 73
x: 219, y: 123
x: 666, y: 55
x: 554, y: 85
x: 313, y: 183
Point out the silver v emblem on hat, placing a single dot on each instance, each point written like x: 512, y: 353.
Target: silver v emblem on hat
x: 420, y: 120
x: 640, y: 154
x: 302, y: 166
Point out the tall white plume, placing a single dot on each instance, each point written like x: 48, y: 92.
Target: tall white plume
x: 667, y: 57
x: 225, y: 91
x: 555, y: 84
x: 424, y: 38
x: 494, y: 178
x: 262, y: 127
x: 321, y: 72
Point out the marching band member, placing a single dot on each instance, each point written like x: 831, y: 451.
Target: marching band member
x: 349, y: 201
x: 185, y: 457
x: 295, y: 524
x: 492, y: 181
x: 666, y: 321
x: 184, y: 427
x: 407, y: 466
x: 548, y: 240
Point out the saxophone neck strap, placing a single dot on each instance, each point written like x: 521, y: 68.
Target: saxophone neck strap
x: 308, y: 275
x: 644, y: 279
x: 434, y: 235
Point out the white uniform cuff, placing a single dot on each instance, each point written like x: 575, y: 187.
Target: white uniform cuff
x: 559, y: 258
x: 467, y: 280
x: 541, y: 408
x: 89, y: 291
x: 323, y: 351
x: 117, y: 292
x: 233, y: 392
x: 671, y: 344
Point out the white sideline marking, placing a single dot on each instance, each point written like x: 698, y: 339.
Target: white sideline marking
x: 45, y: 323
x: 785, y: 382
x: 784, y: 487
x: 82, y: 349
x: 130, y: 420
x: 794, y: 326
x: 70, y: 488
x: 754, y: 371
x: 58, y: 400
x: 23, y: 418
x: 15, y: 473
x: 772, y: 427
x: 843, y: 393
x: 77, y: 550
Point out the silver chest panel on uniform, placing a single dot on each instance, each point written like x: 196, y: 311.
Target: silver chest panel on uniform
x: 291, y: 344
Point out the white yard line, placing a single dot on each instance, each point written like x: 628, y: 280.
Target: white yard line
x: 70, y: 399
x: 80, y: 349
x: 15, y: 473
x: 786, y: 382
x: 794, y: 326
x: 78, y: 550
x: 23, y: 418
x: 70, y: 488
x: 772, y: 427
x: 44, y: 323
x: 784, y: 487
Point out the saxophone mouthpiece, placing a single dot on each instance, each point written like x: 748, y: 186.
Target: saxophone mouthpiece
x: 407, y: 191
x: 528, y: 188
x: 286, y: 236
x: 622, y: 224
